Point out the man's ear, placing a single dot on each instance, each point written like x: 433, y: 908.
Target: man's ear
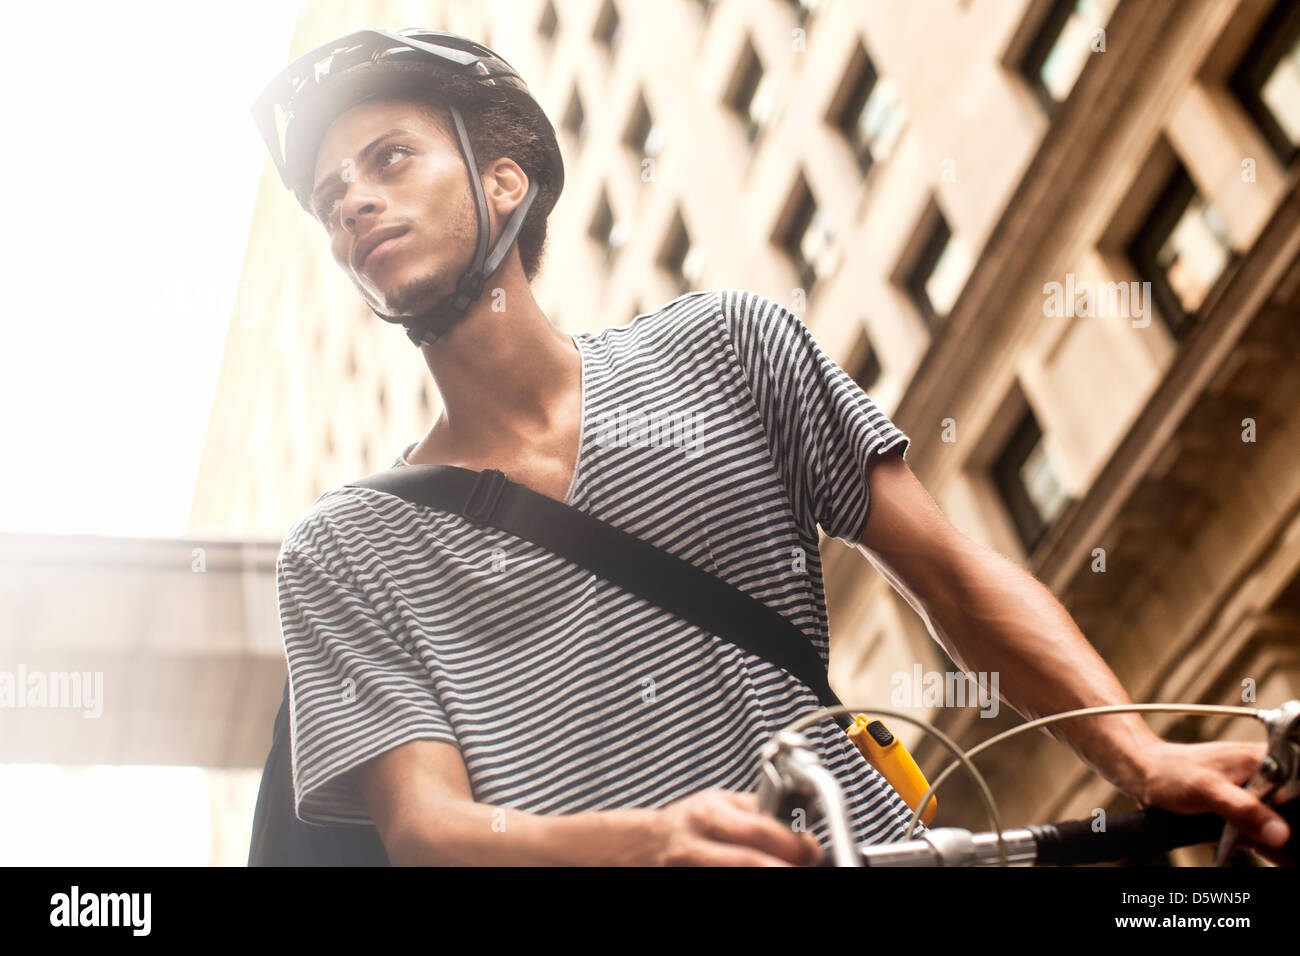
x: 505, y: 181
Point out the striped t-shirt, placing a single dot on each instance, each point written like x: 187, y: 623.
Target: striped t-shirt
x: 716, y: 429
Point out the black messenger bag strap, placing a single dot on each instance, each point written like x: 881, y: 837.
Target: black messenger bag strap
x: 490, y: 499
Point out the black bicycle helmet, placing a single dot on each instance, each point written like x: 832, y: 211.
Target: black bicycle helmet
x: 297, y: 107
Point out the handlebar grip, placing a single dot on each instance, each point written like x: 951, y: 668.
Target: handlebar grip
x: 1138, y: 834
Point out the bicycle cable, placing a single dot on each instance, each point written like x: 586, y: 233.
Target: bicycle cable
x: 963, y: 758
x: 822, y: 713
x: 1073, y: 714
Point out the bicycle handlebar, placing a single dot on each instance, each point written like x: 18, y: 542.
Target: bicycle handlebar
x: 1070, y: 843
x: 792, y: 772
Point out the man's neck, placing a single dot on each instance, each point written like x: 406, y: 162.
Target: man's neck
x: 507, y: 378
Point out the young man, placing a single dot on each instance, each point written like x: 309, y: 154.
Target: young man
x: 480, y: 700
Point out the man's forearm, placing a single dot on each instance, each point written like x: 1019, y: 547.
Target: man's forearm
x: 465, y: 833
x: 996, y: 617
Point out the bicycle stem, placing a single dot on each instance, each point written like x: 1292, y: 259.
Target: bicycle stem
x: 791, y: 770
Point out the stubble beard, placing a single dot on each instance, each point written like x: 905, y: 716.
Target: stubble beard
x: 422, y: 293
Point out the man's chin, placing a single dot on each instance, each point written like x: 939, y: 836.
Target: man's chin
x: 415, y: 298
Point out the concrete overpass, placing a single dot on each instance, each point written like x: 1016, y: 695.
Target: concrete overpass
x: 185, y: 633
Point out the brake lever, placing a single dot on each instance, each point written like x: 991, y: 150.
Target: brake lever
x: 1276, y: 779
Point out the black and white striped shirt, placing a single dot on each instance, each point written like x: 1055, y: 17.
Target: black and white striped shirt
x: 715, y: 428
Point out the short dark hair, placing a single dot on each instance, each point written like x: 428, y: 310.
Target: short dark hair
x: 499, y: 125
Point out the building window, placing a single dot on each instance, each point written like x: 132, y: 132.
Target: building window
x: 609, y: 28
x: 752, y: 92
x: 683, y: 261
x: 805, y: 9
x: 575, y: 117
x: 1029, y: 483
x: 1268, y: 80
x: 864, y: 365
x: 1061, y: 49
x: 605, y: 229
x: 807, y: 237
x: 1181, y: 249
x: 549, y: 24
x: 643, y: 135
x: 868, y: 111
x: 939, y: 273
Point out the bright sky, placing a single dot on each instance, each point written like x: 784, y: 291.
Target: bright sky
x: 130, y: 175
x: 103, y: 816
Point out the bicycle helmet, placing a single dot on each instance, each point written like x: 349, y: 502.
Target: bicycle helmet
x: 297, y: 107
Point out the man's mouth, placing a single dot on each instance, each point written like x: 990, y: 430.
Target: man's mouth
x: 372, y: 247
x: 380, y: 250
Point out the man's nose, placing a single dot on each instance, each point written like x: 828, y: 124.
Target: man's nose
x: 361, y: 204
x: 362, y: 211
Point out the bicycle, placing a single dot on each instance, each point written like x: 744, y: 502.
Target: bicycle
x: 791, y: 774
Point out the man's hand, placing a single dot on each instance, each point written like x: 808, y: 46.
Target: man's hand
x: 725, y: 828
x: 1208, y: 777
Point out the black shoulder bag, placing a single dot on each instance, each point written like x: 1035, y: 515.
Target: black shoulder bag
x: 488, y: 498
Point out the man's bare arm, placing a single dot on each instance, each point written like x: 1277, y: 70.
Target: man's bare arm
x: 991, y: 615
x: 420, y: 800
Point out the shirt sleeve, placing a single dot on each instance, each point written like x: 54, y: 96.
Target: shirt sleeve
x: 355, y: 690
x: 822, y: 428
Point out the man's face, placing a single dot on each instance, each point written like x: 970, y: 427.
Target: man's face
x: 388, y: 167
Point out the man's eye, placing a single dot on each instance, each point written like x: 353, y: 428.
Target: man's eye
x: 331, y: 207
x: 391, y: 151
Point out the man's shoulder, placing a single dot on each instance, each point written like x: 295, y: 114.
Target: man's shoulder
x: 747, y: 307
x: 685, y: 316
x: 321, y: 528
x: 731, y: 305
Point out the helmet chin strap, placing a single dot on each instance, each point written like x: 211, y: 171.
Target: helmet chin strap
x: 429, y: 326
